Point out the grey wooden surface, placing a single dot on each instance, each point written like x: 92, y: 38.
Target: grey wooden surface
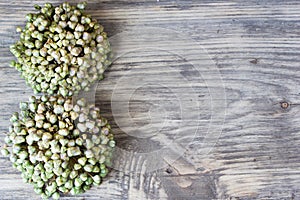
x: 256, y: 48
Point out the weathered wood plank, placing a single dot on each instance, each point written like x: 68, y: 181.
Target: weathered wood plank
x: 256, y: 48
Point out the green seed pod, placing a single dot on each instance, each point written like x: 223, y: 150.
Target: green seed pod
x: 71, y: 143
x: 4, y: 152
x: 89, y: 181
x: 63, y: 132
x: 23, y: 155
x: 97, y: 179
x: 92, y: 161
x: 58, y: 109
x: 23, y: 106
x: 112, y: 143
x: 7, y: 140
x: 29, y: 123
x: 89, y: 144
x: 69, y: 184
x: 49, y: 175
x: 59, y: 181
x: 77, y: 166
x: 53, y: 119
x: 82, y: 161
x: 96, y: 169
x: 78, y: 182
x: 73, y: 174
x: 31, y: 149
x: 63, y: 189
x: 58, y: 171
x: 63, y: 142
x: 19, y: 140
x: 38, y: 190
x: 66, y: 173
x: 55, y: 195
x: 89, y: 154
x: 88, y: 168
x: 73, y: 151
x: 14, y: 117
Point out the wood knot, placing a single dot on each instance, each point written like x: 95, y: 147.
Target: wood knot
x: 284, y: 105
x: 254, y: 61
x: 169, y: 170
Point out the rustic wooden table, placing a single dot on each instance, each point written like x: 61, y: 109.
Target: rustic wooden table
x: 239, y: 139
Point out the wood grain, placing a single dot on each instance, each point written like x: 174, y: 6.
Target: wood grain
x: 256, y: 47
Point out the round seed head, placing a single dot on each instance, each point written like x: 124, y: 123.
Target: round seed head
x: 51, y: 153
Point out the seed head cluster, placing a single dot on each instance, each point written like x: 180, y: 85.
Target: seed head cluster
x: 61, y: 50
x: 59, y: 146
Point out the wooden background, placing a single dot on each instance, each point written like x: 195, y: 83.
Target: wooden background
x: 256, y: 48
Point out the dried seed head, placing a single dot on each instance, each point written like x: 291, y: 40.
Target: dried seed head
x: 71, y: 34
x: 51, y: 154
